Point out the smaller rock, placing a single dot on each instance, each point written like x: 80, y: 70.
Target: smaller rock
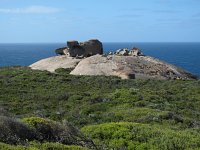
x: 122, y: 52
x: 110, y: 53
x: 135, y: 52
x: 118, y: 51
x: 66, y: 51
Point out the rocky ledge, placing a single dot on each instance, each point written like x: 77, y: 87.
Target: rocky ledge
x: 88, y: 59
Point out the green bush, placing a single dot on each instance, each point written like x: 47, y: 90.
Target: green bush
x: 59, y: 96
x: 127, y: 135
x: 4, y: 112
x: 44, y: 146
x: 52, y: 131
x: 88, y: 100
x: 58, y: 146
x: 46, y: 130
x: 64, y: 70
x: 15, y: 132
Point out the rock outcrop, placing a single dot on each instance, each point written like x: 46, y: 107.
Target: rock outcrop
x: 124, y: 63
x: 80, y: 50
x: 126, y: 67
x: 53, y: 63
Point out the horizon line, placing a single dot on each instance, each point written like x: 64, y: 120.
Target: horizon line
x: 101, y: 41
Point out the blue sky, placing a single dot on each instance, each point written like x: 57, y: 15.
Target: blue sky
x: 108, y: 20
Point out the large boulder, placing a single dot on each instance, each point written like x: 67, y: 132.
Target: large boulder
x: 85, y: 49
x: 53, y: 63
x: 128, y: 67
x: 77, y: 51
x: 92, y: 47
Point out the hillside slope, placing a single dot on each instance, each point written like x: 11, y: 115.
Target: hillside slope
x: 100, y: 103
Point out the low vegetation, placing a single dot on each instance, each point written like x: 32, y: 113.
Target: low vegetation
x: 39, y: 108
x: 141, y: 136
x: 43, y: 146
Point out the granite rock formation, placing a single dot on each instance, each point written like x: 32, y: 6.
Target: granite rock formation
x: 130, y: 67
x: 80, y: 50
x: 53, y: 63
x: 124, y: 63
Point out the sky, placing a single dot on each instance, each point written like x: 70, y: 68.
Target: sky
x: 54, y: 21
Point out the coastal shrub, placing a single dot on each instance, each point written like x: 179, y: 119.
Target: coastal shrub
x: 58, y: 146
x: 44, y: 146
x: 125, y: 95
x: 129, y: 135
x: 15, y: 132
x: 138, y: 114
x: 64, y: 71
x: 4, y: 146
x: 4, y: 112
x: 89, y: 100
x: 51, y: 131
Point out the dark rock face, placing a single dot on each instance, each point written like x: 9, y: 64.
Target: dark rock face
x: 85, y: 49
x: 77, y: 51
x: 72, y: 44
x: 92, y: 47
x: 60, y: 51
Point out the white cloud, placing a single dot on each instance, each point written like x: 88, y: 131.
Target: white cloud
x: 30, y: 9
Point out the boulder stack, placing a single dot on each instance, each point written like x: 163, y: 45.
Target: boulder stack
x: 84, y: 49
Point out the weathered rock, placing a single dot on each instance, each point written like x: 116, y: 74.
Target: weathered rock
x: 122, y: 52
x: 72, y: 44
x: 66, y: 51
x: 53, y: 63
x: 92, y: 47
x: 60, y: 51
x: 77, y: 51
x: 85, y: 49
x: 135, y: 52
x: 122, y: 63
x: 129, y: 67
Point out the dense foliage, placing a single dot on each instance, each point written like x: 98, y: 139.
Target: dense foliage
x: 105, y: 102
x: 44, y: 146
x: 141, y: 136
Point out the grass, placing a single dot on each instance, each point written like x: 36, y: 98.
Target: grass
x: 87, y: 100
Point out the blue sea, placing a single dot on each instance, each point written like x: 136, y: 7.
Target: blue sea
x: 184, y: 55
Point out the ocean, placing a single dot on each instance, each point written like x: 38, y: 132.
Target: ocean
x: 183, y: 55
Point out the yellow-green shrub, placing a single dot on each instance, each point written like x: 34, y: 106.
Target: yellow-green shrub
x: 128, y: 135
